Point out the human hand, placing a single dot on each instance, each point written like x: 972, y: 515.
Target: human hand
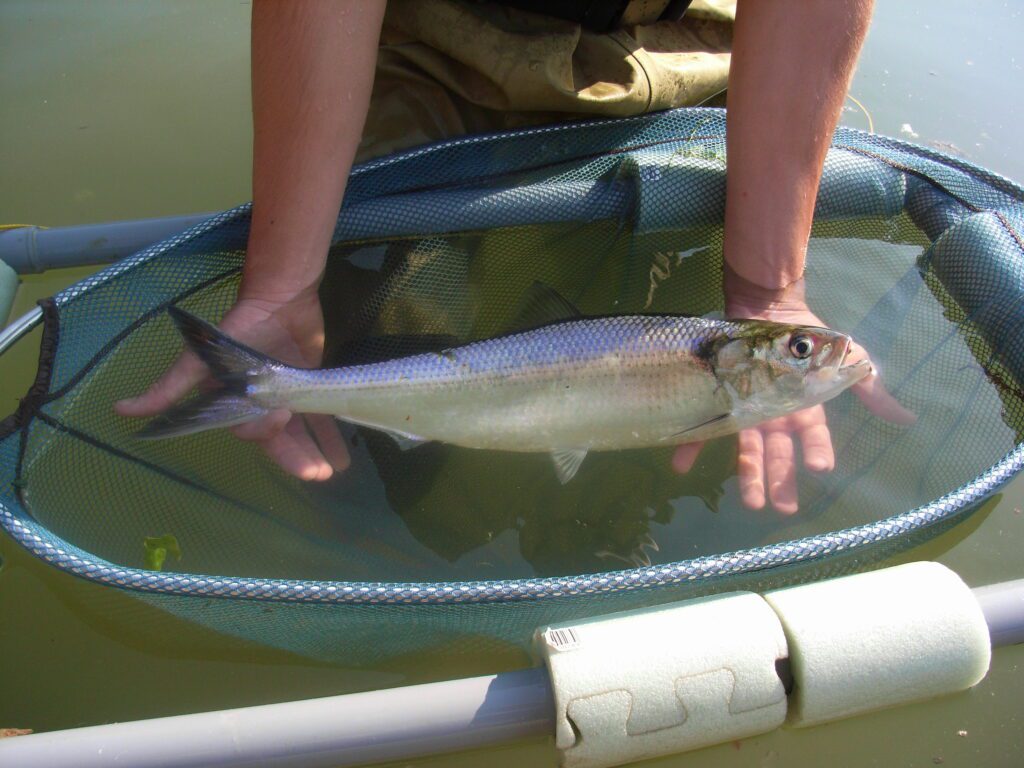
x: 289, y: 329
x: 766, y: 461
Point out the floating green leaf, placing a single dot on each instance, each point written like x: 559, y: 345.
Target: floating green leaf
x: 157, y: 549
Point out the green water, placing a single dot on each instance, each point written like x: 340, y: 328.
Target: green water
x: 138, y: 110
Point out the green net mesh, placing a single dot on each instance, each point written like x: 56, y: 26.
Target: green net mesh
x: 918, y: 255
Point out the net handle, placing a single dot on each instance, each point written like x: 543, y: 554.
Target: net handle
x: 20, y: 328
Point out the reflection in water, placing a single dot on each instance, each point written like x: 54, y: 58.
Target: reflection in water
x: 456, y: 501
x: 479, y: 514
x: 440, y: 512
x: 489, y: 514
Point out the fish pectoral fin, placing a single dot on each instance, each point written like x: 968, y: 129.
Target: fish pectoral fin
x: 541, y: 304
x: 567, y: 462
x: 403, y: 440
x: 688, y: 433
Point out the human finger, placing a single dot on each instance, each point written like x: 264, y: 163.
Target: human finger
x: 685, y: 457
x: 815, y: 439
x: 263, y: 428
x: 750, y: 467
x: 328, y: 437
x: 816, y: 446
x: 296, y: 453
x: 176, y: 382
x: 780, y: 471
x: 877, y: 400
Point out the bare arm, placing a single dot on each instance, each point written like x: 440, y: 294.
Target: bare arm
x: 312, y: 74
x: 791, y: 67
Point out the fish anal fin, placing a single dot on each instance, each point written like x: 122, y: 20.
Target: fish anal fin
x: 403, y: 440
x: 541, y: 304
x: 567, y: 462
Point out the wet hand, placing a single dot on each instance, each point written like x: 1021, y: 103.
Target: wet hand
x: 288, y: 329
x: 766, y: 461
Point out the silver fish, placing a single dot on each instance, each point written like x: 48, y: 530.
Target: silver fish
x: 564, y: 388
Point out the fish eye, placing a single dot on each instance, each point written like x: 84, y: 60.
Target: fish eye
x: 801, y: 346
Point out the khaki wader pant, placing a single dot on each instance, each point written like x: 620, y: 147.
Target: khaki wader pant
x: 453, y: 67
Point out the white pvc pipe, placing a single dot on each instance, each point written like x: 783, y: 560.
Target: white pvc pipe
x: 359, y: 728
x: 8, y: 288
x: 1003, y: 606
x: 345, y: 730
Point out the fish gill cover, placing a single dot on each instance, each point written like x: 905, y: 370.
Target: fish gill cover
x: 918, y: 256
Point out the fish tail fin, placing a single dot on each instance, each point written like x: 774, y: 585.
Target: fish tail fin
x: 211, y: 410
x: 234, y: 367
x: 231, y: 363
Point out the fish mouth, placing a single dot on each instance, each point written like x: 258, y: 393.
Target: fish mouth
x: 836, y: 373
x: 834, y: 353
x: 845, y: 348
x: 835, y: 367
x: 852, y: 372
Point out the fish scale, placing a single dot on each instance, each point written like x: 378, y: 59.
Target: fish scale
x: 564, y: 388
x: 567, y: 343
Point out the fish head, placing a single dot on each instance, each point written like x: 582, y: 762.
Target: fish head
x: 772, y: 369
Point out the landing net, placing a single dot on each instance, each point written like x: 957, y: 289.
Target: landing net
x: 916, y: 254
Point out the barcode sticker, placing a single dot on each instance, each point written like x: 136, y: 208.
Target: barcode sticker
x: 563, y: 639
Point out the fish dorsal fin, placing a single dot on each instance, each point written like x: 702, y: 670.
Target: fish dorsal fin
x: 377, y: 349
x: 567, y: 462
x: 542, y: 304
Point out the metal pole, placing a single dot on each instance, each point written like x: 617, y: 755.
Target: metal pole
x: 19, y: 328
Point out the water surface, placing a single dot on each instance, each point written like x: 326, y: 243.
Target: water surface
x: 118, y: 111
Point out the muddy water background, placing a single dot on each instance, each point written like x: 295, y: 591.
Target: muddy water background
x: 119, y: 111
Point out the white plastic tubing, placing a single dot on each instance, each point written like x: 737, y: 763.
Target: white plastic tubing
x: 345, y: 730
x: 617, y: 688
x: 8, y: 287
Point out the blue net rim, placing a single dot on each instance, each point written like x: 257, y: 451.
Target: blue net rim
x: 66, y: 557
x: 77, y: 562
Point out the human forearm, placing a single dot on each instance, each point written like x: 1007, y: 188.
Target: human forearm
x: 791, y: 67
x: 312, y: 73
